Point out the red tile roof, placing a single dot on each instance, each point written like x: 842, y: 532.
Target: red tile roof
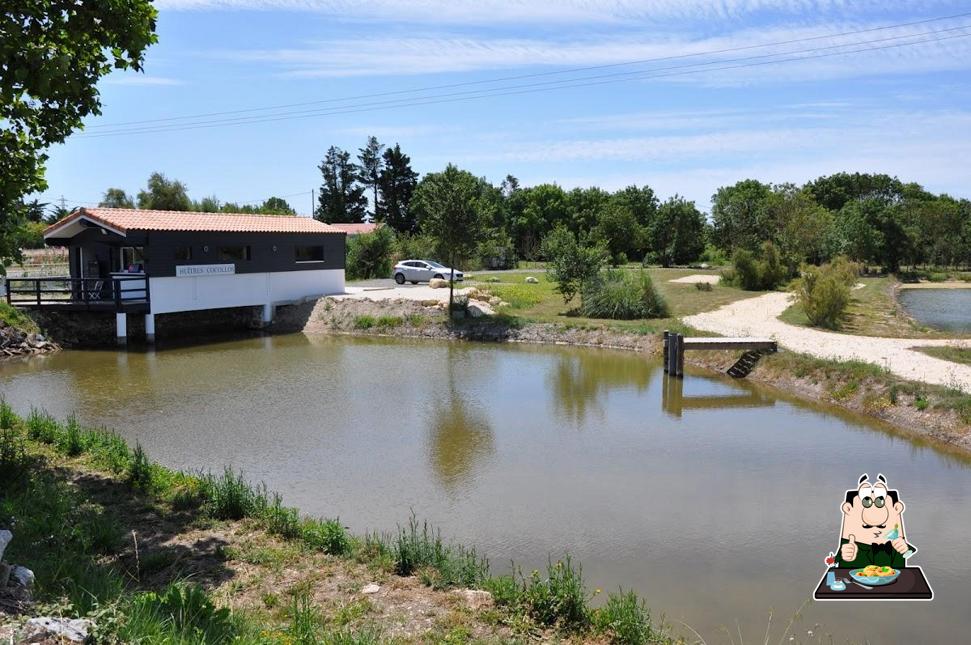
x: 127, y: 219
x: 356, y: 229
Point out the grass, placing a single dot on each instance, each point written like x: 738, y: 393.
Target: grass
x: 874, y: 311
x: 844, y: 380
x: 71, y: 541
x: 541, y: 303
x: 17, y: 318
x: 954, y: 354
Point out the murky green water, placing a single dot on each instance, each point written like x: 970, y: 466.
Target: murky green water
x: 713, y: 498
x: 948, y: 309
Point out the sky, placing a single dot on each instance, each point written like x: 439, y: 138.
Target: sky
x: 241, y: 98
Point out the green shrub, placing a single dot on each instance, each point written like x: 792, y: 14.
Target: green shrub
x: 7, y: 416
x: 181, y: 614
x: 13, y: 457
x: 756, y: 273
x: 504, y: 589
x: 622, y: 295
x: 388, y: 322
x: 229, y: 497
x: 72, y: 441
x: 328, y: 536
x: 369, y: 254
x: 364, y: 322
x: 281, y: 520
x: 42, y: 427
x: 305, y: 619
x: 559, y: 600
x: 414, y: 247
x: 421, y: 549
x: 824, y: 292
x: 625, y: 619
x: 569, y: 263
x: 140, y: 469
x: 109, y: 451
x: 703, y: 286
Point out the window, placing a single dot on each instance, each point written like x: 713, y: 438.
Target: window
x: 309, y: 253
x: 234, y: 253
x: 183, y: 253
x: 132, y: 259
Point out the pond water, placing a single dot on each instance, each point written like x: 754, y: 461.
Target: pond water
x: 948, y: 309
x: 713, y: 498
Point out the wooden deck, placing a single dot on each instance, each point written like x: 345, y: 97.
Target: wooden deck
x: 675, y: 346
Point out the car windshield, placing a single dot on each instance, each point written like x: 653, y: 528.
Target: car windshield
x: 435, y: 264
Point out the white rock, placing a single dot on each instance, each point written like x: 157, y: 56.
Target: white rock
x: 703, y: 265
x: 371, y: 588
x: 23, y: 576
x: 437, y: 283
x: 531, y: 280
x: 45, y: 627
x: 495, y: 300
x: 475, y: 598
x: 5, y: 537
x: 478, y: 309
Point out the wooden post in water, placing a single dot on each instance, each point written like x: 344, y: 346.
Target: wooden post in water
x: 672, y: 354
x: 679, y: 361
x: 665, y: 342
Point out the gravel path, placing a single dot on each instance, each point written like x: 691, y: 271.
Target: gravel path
x: 759, y: 317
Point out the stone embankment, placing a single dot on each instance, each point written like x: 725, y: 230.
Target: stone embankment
x: 14, y: 342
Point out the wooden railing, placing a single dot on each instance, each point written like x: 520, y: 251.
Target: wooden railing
x: 100, y: 293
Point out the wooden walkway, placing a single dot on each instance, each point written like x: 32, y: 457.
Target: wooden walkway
x: 675, y: 346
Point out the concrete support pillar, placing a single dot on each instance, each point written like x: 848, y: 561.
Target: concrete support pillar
x: 150, y: 328
x: 121, y: 328
x: 267, y: 313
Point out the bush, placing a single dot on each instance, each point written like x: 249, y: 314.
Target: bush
x: 625, y: 619
x: 140, y: 469
x: 414, y: 247
x: 328, y: 536
x: 364, y: 322
x: 421, y: 549
x: 182, y: 614
x: 369, y: 254
x: 42, y: 427
x: 824, y: 292
x: 72, y: 441
x: 569, y: 263
x: 558, y: 600
x: 282, y: 520
x: 622, y: 295
x: 753, y: 273
x: 229, y: 497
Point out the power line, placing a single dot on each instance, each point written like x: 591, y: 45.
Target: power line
x: 537, y: 74
x: 794, y: 56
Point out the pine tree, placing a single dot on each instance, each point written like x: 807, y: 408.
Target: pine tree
x: 397, y: 184
x: 341, y: 195
x: 371, y: 166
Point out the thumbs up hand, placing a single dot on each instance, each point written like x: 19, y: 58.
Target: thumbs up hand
x: 848, y: 550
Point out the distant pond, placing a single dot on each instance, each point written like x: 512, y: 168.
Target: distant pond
x: 716, y: 499
x: 948, y: 309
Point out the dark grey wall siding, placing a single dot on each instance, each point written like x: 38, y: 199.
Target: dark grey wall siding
x: 268, y: 251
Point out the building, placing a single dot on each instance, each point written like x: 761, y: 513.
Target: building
x: 146, y: 263
x: 357, y: 229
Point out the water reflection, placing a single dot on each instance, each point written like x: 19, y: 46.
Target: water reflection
x: 674, y: 402
x: 461, y: 435
x: 580, y: 382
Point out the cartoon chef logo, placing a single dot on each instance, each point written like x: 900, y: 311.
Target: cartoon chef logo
x: 871, y: 560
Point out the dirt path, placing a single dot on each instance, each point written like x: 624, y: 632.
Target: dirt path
x: 759, y: 317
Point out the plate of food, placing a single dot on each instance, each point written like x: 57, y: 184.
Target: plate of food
x: 875, y: 574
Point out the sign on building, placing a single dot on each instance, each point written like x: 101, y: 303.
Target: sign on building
x: 196, y: 270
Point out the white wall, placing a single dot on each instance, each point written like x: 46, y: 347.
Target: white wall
x: 171, y: 295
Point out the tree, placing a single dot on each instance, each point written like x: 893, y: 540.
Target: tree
x: 370, y: 170
x: 277, y: 206
x: 369, y: 254
x: 52, y: 53
x: 452, y: 207
x: 210, y: 204
x: 341, y: 196
x: 800, y: 225
x: 569, y: 263
x: 397, y: 185
x: 835, y: 191
x: 544, y: 206
x: 164, y: 194
x: 620, y: 232
x: 116, y: 198
x: 641, y: 202
x: 739, y: 215
x: 676, y: 234
x: 853, y: 233
x: 584, y: 205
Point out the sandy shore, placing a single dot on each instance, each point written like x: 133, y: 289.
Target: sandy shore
x: 758, y: 316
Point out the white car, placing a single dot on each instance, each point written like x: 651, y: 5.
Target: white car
x: 415, y: 271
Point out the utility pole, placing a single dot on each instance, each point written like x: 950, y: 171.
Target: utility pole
x: 313, y: 201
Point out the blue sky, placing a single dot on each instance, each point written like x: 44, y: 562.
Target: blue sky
x: 683, y: 125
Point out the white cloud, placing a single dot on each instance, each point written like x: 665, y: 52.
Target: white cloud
x: 396, y: 56
x: 546, y: 11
